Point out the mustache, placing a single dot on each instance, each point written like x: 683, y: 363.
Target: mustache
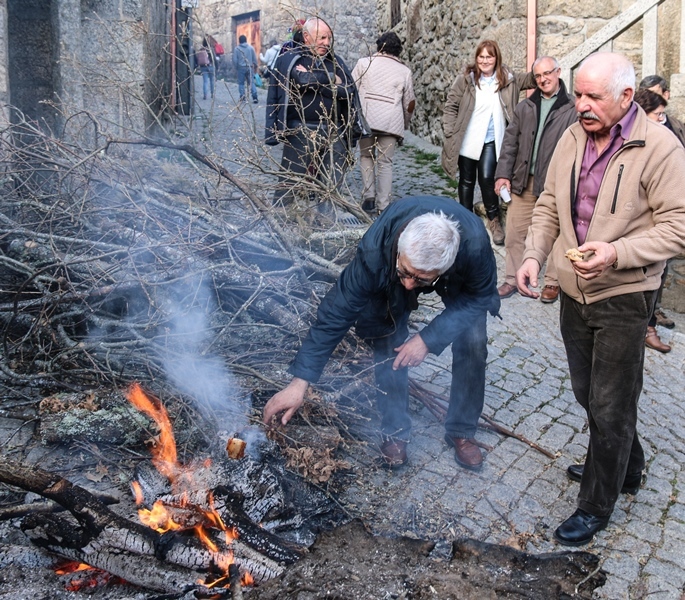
x: 588, y: 115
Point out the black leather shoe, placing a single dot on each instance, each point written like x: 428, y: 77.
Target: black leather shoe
x: 369, y: 206
x: 631, y: 484
x: 579, y: 528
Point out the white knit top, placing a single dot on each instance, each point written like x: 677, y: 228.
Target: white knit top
x: 487, y: 106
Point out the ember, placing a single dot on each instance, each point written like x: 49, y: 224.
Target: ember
x: 92, y: 577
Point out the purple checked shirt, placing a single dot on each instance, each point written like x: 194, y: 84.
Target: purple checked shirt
x: 592, y: 172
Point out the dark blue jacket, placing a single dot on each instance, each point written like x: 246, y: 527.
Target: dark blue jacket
x: 369, y: 285
x: 282, y: 113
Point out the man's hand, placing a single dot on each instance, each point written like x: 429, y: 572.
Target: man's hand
x: 604, y: 255
x: 411, y: 353
x: 301, y: 68
x: 502, y: 182
x: 526, y: 276
x: 287, y: 401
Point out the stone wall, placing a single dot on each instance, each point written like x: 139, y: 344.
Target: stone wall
x: 106, y: 57
x: 353, y: 22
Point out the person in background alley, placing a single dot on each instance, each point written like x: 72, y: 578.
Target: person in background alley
x: 245, y: 63
x: 613, y: 203
x: 529, y: 142
x: 479, y: 105
x: 204, y: 59
x: 417, y: 245
x: 658, y: 85
x: 270, y: 57
x: 387, y: 98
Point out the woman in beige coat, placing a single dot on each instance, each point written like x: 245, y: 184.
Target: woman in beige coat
x: 479, y: 106
x: 387, y: 97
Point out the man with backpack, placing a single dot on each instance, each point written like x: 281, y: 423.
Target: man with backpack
x: 312, y: 108
x: 204, y: 59
x: 245, y: 63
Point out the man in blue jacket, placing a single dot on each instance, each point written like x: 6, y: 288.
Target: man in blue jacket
x: 417, y: 245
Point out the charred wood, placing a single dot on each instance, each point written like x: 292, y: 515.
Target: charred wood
x: 135, y: 552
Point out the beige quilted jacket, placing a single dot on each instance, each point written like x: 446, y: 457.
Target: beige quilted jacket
x: 386, y: 91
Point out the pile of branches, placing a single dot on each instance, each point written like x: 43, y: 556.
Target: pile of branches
x: 115, y: 261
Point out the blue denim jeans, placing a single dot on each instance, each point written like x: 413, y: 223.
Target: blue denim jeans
x: 605, y: 346
x: 467, y: 392
x: 246, y: 75
x: 207, y: 81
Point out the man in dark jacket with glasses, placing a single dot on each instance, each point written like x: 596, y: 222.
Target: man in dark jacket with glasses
x: 417, y: 245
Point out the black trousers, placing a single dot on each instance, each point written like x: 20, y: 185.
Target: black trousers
x: 484, y: 171
x: 605, y: 346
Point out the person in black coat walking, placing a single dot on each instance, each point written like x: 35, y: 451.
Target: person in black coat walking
x: 313, y: 109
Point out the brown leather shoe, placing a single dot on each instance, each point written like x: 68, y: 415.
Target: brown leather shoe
x: 393, y: 453
x: 496, y: 230
x: 652, y: 341
x: 506, y: 290
x: 550, y: 293
x: 466, y: 453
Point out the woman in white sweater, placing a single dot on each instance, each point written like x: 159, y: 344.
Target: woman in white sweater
x: 387, y: 98
x: 479, y: 105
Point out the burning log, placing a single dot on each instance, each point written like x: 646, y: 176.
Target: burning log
x: 21, y: 510
x: 165, y: 562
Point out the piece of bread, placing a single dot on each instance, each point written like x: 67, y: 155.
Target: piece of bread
x: 574, y: 254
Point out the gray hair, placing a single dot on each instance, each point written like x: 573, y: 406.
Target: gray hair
x: 539, y: 60
x: 651, y: 80
x: 622, y: 72
x: 430, y: 242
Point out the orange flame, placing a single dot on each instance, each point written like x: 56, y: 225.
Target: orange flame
x: 166, y: 461
x: 247, y: 579
x: 72, y: 566
x: 158, y: 518
x: 137, y: 492
x: 164, y: 452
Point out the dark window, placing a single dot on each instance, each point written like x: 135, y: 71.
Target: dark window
x: 395, y: 12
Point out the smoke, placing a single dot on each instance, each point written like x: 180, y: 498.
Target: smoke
x: 189, y: 364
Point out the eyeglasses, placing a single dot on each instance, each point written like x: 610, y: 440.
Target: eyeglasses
x: 545, y: 74
x: 660, y: 116
x: 486, y: 58
x: 402, y: 274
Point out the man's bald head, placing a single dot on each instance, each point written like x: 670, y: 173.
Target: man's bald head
x: 615, y: 70
x: 604, y: 86
x: 317, y: 36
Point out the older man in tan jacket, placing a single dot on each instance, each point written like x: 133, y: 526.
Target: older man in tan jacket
x: 387, y: 97
x: 613, y: 194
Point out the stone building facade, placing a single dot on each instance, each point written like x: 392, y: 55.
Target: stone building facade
x: 354, y: 22
x: 441, y: 37
x: 108, y: 58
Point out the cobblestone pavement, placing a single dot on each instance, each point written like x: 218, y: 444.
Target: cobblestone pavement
x: 521, y: 495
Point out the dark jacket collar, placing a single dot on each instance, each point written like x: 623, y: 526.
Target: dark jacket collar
x: 562, y: 97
